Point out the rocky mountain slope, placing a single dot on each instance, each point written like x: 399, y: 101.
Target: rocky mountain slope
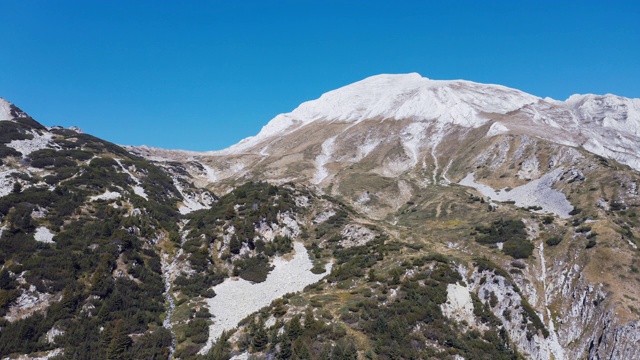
x: 397, y: 217
x: 396, y: 148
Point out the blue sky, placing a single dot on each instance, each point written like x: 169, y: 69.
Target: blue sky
x: 202, y: 75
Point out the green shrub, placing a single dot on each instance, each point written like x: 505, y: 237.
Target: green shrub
x: 6, y: 151
x: 501, y: 231
x: 575, y: 211
x: 518, y: 249
x: 10, y: 131
x: 547, y: 220
x: 583, y: 229
x: 553, y: 241
x: 254, y: 269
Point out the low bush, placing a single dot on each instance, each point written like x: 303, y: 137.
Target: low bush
x: 553, y: 241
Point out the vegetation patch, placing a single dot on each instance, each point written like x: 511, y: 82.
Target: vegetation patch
x: 511, y: 233
x: 254, y: 269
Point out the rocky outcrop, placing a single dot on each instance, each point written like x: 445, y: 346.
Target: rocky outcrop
x: 583, y: 325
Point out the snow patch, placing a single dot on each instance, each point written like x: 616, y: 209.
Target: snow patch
x: 322, y: 160
x: 44, y: 235
x: 6, y: 183
x: 38, y: 142
x: 324, y: 216
x: 42, y: 355
x: 287, y: 276
x: 497, y: 128
x: 534, y: 193
x: 137, y: 189
x: 108, y: 195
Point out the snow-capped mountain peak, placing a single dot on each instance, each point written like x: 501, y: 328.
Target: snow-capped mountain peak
x: 399, y: 96
x: 412, y: 96
x: 607, y: 125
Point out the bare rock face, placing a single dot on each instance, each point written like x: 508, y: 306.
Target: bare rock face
x: 8, y: 111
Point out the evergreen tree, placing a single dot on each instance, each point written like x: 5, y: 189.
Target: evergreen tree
x: 301, y: 350
x: 345, y: 350
x: 220, y: 351
x: 309, y: 320
x: 285, y: 348
x: 235, y: 245
x: 294, y: 328
x: 372, y: 275
x: 260, y: 339
x: 120, y: 343
x: 229, y: 212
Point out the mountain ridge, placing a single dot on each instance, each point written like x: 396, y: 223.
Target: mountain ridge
x: 467, y: 104
x: 9, y: 111
x: 497, y: 234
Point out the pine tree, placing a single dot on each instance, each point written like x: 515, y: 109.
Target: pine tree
x: 235, y: 245
x: 309, y: 320
x: 120, y: 343
x: 372, y: 275
x: 230, y: 212
x: 345, y: 350
x: 220, y: 350
x: 285, y: 348
x: 301, y: 350
x: 260, y: 340
x: 294, y: 328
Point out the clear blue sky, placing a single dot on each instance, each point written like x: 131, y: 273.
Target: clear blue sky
x: 201, y: 75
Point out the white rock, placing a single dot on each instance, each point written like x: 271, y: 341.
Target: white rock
x: 43, y: 234
x: 459, y: 305
x: 107, y: 195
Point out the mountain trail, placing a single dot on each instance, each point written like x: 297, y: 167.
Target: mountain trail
x: 439, y: 209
